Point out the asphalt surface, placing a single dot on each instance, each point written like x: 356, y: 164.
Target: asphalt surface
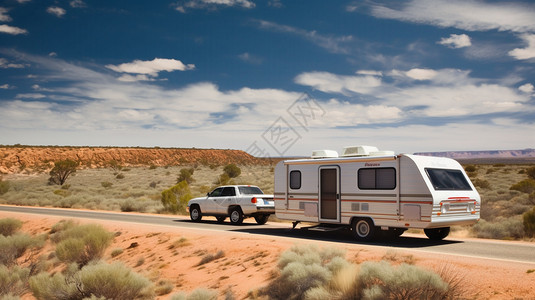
x: 510, y: 251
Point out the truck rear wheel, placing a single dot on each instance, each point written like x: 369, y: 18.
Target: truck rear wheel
x: 236, y: 215
x: 195, y: 213
x: 363, y: 229
x: 437, y: 234
x: 261, y: 219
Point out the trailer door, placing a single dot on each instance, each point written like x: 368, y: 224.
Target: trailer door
x: 329, y: 194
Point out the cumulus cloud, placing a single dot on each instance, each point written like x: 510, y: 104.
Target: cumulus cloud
x: 421, y: 74
x: 526, y: 88
x: 471, y: 15
x: 5, y: 64
x: 333, y: 83
x: 149, y: 68
x: 56, y: 10
x: 12, y: 30
x: 30, y: 96
x: 183, y: 6
x: 77, y: 3
x: 525, y: 53
x: 456, y: 41
x: 4, y: 17
x: 5, y: 86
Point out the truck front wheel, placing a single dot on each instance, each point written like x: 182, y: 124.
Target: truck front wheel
x: 363, y: 229
x: 236, y: 215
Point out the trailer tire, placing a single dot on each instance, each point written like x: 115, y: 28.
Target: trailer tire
x: 437, y: 234
x: 261, y: 219
x: 236, y: 215
x: 195, y: 213
x: 363, y: 229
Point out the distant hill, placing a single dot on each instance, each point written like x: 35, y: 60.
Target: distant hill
x: 491, y: 154
x: 16, y: 159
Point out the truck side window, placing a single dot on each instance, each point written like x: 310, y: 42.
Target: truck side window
x: 377, y: 179
x: 295, y: 180
x: 228, y: 191
x: 216, y: 192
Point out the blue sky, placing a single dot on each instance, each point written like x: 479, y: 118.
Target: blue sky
x: 270, y: 77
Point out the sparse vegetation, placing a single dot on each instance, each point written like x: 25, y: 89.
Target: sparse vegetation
x: 8, y: 226
x: 176, y: 198
x: 186, y: 174
x: 529, y: 222
x: 211, y: 257
x: 198, y: 294
x: 4, y: 186
x: 232, y: 170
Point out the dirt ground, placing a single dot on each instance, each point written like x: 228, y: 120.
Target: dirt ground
x: 171, y: 254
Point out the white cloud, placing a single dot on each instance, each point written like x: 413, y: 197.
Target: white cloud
x: 30, y: 96
x: 249, y: 58
x: 526, y: 88
x: 23, y: 1
x: 4, y: 16
x: 471, y: 15
x: 5, y: 86
x: 139, y: 77
x: 421, y: 74
x: 4, y: 64
x: 334, y: 44
x: 332, y: 83
x: 56, y: 10
x: 370, y: 72
x: 12, y: 30
x: 52, y: 54
x: 183, y: 6
x: 525, y: 53
x: 456, y: 41
x: 151, y: 68
x: 77, y: 3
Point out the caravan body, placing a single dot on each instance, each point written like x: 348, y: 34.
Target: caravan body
x: 376, y: 190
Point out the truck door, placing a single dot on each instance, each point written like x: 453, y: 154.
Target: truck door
x: 228, y: 197
x: 329, y: 193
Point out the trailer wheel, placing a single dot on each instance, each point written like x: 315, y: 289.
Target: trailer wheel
x: 195, y: 213
x: 261, y: 219
x: 236, y: 215
x: 363, y: 229
x: 221, y: 219
x: 437, y: 234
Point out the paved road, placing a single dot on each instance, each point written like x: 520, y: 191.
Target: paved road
x: 498, y: 250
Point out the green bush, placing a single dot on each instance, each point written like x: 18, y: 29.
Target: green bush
x: 175, y: 199
x: 529, y: 222
x: 380, y: 280
x: 13, y: 281
x: 502, y: 228
x: 83, y: 243
x: 8, y: 226
x: 46, y: 287
x: 4, y: 187
x: 232, y: 170
x: 524, y: 186
x: 61, y: 171
x: 14, y: 246
x: 186, y: 174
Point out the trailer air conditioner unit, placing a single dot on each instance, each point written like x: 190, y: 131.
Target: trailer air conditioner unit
x: 324, y: 154
x: 355, y: 151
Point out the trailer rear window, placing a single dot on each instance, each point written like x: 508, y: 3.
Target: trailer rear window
x: 444, y: 179
x: 295, y: 180
x: 377, y: 179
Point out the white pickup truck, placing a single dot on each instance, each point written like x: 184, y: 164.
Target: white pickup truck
x: 234, y: 201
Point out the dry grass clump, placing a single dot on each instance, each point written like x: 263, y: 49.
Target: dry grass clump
x: 306, y: 272
x: 8, y: 226
x: 198, y: 294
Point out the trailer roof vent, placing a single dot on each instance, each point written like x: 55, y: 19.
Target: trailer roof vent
x: 324, y: 154
x: 359, y: 151
x: 382, y: 153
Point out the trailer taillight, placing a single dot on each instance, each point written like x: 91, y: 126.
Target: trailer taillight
x: 253, y: 200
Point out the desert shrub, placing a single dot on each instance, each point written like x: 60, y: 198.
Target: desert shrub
x: 502, y: 228
x: 153, y: 167
x: 232, y: 170
x: 106, y: 184
x: 61, y: 171
x: 380, y: 280
x: 198, y: 294
x: 82, y: 243
x: 163, y: 288
x: 470, y: 168
x: 129, y: 205
x: 14, y: 246
x: 44, y: 286
x: 223, y: 179
x: 57, y: 230
x: 529, y: 222
x: 4, y: 187
x: 481, y: 183
x: 114, y: 281
x: 211, y: 257
x: 116, y: 166
x: 531, y: 172
x: 186, y: 174
x: 8, y: 226
x: 13, y: 281
x: 117, y: 252
x: 525, y: 186
x: 120, y: 176
x: 62, y: 193
x: 153, y: 184
x: 175, y: 199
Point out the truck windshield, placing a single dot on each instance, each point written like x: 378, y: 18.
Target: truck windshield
x: 250, y: 190
x: 445, y: 179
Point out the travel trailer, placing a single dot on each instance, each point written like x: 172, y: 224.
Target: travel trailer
x: 376, y: 192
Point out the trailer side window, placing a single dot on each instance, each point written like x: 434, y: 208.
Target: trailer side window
x: 295, y: 180
x: 377, y: 179
x: 444, y: 179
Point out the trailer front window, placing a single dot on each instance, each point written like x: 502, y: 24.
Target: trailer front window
x: 445, y: 179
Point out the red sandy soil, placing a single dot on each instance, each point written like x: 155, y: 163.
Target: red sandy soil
x: 249, y: 259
